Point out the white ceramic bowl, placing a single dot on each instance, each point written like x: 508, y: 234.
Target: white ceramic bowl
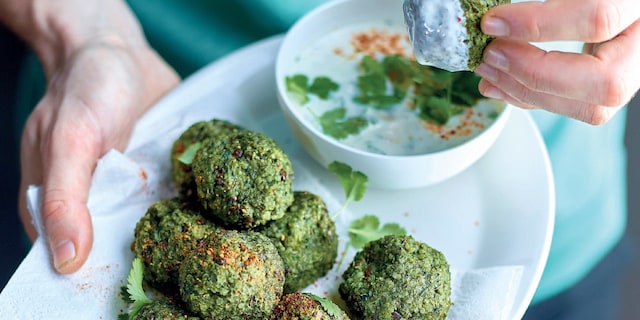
x: 383, y: 171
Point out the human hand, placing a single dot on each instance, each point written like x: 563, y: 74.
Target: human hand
x: 591, y: 86
x: 91, y: 104
x: 102, y: 76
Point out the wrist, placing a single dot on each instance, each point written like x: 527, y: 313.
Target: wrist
x: 56, y: 30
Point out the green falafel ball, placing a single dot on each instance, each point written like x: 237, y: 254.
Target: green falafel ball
x: 446, y: 34
x: 162, y: 309
x: 306, y: 239
x: 307, y: 306
x: 478, y: 40
x: 191, y: 138
x: 232, y: 275
x: 397, y: 277
x: 244, y: 181
x: 163, y: 238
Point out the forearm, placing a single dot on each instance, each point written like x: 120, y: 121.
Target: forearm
x: 57, y: 29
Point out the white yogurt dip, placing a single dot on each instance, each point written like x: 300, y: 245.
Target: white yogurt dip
x: 396, y: 130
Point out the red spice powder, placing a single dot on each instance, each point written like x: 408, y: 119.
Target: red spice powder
x: 463, y: 129
x: 376, y: 41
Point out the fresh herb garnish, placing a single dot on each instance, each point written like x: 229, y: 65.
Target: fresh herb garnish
x: 322, y: 86
x: 124, y: 294
x: 440, y: 94
x: 353, y: 182
x: 436, y: 94
x: 298, y: 86
x: 367, y: 229
x: 331, y: 308
x: 435, y: 109
x: 187, y: 156
x: 136, y: 293
x: 336, y: 124
x: 372, y: 83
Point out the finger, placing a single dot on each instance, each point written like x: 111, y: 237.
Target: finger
x: 585, y: 112
x: 581, y: 20
x: 70, y: 161
x: 609, y: 80
x: 30, y: 174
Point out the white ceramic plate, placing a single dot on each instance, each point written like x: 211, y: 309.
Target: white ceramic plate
x: 498, y: 212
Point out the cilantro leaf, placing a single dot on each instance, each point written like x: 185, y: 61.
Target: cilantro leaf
x: 436, y: 109
x: 380, y: 102
x: 464, y: 89
x: 369, y: 65
x: 400, y: 73
x: 438, y: 94
x: 353, y: 182
x: 331, y: 308
x: 134, y: 287
x: 322, y: 86
x: 298, y: 85
x: 124, y: 294
x: 187, y: 156
x: 438, y: 78
x: 372, y: 84
x: 366, y: 229
x: 335, y: 123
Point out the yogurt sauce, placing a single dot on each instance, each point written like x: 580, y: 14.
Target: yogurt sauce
x: 394, y: 131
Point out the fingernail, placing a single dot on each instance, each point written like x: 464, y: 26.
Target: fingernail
x: 495, y: 27
x: 63, y: 253
x: 496, y: 59
x: 493, y: 92
x: 487, y: 72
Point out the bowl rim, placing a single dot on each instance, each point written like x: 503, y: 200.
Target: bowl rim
x: 289, y: 105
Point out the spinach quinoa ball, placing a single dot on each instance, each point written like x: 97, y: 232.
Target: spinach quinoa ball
x: 307, y: 306
x: 164, y: 236
x: 244, y: 181
x: 397, y: 277
x: 162, y: 309
x: 184, y: 147
x: 232, y: 275
x: 446, y: 33
x: 306, y: 240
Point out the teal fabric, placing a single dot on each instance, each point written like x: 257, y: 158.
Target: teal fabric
x: 190, y: 34
x: 588, y: 161
x: 589, y: 165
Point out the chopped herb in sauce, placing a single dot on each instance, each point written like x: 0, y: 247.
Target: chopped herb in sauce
x: 322, y: 86
x: 298, y: 85
x: 436, y: 94
x: 372, y: 84
x: 335, y: 123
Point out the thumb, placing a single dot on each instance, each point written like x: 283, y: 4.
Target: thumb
x: 70, y: 163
